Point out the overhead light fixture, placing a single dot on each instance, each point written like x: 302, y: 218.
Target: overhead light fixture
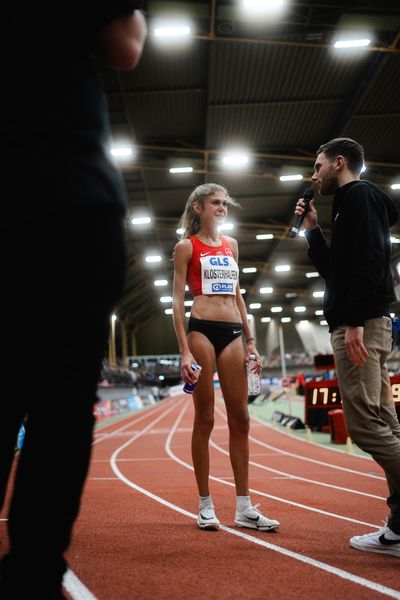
x: 312, y: 274
x: 282, y: 268
x: 226, y: 227
x: 249, y: 270
x: 323, y: 322
x: 175, y: 32
x: 235, y: 160
x: 318, y: 294
x: 295, y: 177
x: 286, y: 320
x: 255, y: 305
x: 266, y: 290
x: 122, y: 152
x: 352, y: 43
x: 264, y: 236
x: 257, y: 7
x: 265, y: 319
x: 276, y: 309
x: 394, y: 240
x: 160, y: 282
x: 188, y: 303
x: 395, y: 186
x: 181, y: 170
x: 140, y: 220
x: 299, y: 309
x: 243, y: 291
x: 153, y: 258
x: 168, y: 311
x: 166, y: 299
x: 318, y: 313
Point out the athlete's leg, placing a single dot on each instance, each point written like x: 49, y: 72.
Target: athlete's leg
x: 203, y: 399
x: 232, y: 377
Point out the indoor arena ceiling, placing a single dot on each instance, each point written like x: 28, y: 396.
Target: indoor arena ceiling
x: 275, y: 88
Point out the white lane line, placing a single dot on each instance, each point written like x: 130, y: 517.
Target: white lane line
x: 297, y: 477
x: 259, y: 492
x: 366, y: 583
x: 133, y: 421
x: 312, y: 460
x: 76, y: 588
x: 142, y: 459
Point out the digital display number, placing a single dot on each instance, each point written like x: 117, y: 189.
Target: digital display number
x: 322, y: 396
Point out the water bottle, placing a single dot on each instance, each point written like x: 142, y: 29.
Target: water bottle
x: 253, y: 380
x: 189, y: 387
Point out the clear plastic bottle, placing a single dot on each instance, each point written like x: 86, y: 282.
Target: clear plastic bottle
x: 189, y: 387
x: 253, y: 380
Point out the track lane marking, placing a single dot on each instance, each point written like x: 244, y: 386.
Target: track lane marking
x: 366, y: 583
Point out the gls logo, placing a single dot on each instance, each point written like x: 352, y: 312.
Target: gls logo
x: 219, y: 261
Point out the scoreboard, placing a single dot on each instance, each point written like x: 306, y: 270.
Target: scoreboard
x: 322, y: 396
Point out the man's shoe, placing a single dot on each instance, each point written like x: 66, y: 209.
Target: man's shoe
x: 207, y: 519
x: 383, y: 541
x: 252, y: 518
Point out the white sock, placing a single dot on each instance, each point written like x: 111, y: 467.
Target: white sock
x: 242, y: 503
x: 205, y: 502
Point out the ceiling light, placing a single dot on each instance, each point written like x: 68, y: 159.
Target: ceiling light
x: 243, y: 291
x: 263, y: 6
x: 394, y: 240
x: 168, y: 311
x: 265, y: 319
x: 297, y: 177
x: 122, y: 152
x: 172, y: 31
x: 235, y: 160
x: 255, y: 305
x: 188, y: 303
x: 180, y: 231
x: 140, y: 220
x: 166, y: 299
x: 276, y: 309
x: 264, y: 236
x: 323, y: 322
x: 290, y: 295
x: 226, y: 227
x: 312, y: 274
x: 282, y: 268
x: 286, y: 320
x: 395, y: 186
x: 318, y: 294
x: 319, y: 313
x: 266, y: 290
x: 355, y: 43
x: 299, y: 309
x: 304, y: 322
x: 181, y: 170
x: 153, y: 258
x: 188, y: 313
x: 160, y: 282
x: 249, y: 270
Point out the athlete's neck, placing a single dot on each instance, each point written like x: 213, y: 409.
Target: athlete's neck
x: 209, y: 237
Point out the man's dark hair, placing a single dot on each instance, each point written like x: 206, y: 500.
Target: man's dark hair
x: 351, y: 150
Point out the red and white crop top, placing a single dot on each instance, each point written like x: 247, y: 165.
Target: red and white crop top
x: 212, y: 269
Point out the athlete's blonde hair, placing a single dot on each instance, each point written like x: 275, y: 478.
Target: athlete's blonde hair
x: 190, y: 220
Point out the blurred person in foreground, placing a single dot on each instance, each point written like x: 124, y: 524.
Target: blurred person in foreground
x: 62, y: 253
x: 358, y: 293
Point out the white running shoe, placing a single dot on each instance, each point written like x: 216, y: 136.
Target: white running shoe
x: 378, y: 542
x: 252, y: 518
x: 207, y: 519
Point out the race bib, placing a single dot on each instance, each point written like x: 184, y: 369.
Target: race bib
x: 219, y: 275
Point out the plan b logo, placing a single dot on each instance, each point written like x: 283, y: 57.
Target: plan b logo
x: 222, y: 288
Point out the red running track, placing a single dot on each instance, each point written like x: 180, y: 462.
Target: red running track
x: 137, y: 537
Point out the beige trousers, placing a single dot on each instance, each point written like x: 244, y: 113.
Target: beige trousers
x: 368, y: 405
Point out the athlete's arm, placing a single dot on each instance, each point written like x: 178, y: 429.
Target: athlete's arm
x: 183, y: 253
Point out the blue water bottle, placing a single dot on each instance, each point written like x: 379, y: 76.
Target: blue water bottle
x: 189, y: 387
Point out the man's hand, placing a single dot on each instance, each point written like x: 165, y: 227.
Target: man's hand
x: 354, y: 342
x: 311, y: 217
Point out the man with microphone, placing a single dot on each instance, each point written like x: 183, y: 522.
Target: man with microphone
x: 358, y: 293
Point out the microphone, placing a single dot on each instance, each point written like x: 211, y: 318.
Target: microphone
x: 308, y: 195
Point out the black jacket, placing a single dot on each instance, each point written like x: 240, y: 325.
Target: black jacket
x: 356, y: 266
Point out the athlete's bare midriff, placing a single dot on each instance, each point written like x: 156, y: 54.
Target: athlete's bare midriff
x: 216, y: 308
